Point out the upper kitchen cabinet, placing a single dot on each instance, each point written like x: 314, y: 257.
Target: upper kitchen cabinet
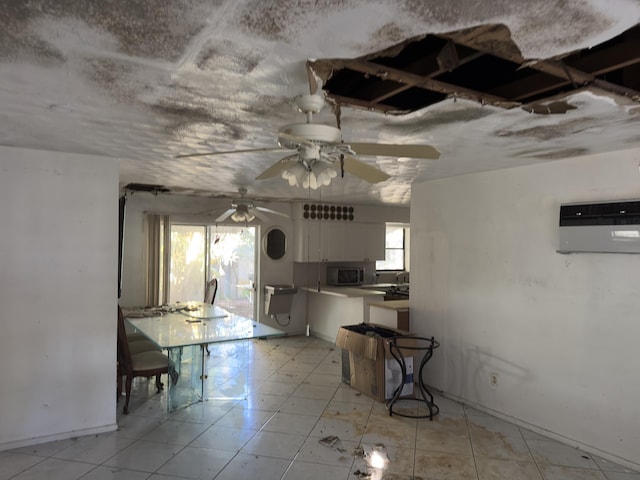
x: 342, y: 233
x: 365, y: 241
x: 338, y: 241
x: 307, y: 241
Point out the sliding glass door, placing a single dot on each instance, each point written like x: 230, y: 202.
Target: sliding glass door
x: 232, y: 260
x: 187, y: 262
x: 202, y: 252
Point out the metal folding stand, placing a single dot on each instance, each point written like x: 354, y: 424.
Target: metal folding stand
x: 409, y: 343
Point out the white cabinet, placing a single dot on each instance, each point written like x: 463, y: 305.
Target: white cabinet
x: 335, y: 240
x: 308, y: 245
x: 318, y: 241
x: 366, y: 241
x: 326, y: 241
x: 375, y: 238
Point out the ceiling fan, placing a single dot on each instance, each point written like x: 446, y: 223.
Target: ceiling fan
x: 319, y: 150
x: 245, y: 210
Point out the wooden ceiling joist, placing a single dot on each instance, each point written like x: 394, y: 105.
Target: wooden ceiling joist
x: 482, y: 64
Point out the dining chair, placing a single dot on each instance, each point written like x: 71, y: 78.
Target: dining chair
x: 210, y: 291
x: 135, y: 337
x: 138, y: 343
x: 143, y: 364
x: 210, y: 297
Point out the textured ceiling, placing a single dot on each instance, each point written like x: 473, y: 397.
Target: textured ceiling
x: 143, y: 81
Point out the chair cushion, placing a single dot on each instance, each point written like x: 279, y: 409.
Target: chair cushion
x: 142, y: 346
x: 136, y: 337
x: 149, y: 360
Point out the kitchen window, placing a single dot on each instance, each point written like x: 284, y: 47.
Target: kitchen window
x: 396, y: 250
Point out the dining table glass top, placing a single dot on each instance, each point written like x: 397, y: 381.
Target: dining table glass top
x: 199, y: 324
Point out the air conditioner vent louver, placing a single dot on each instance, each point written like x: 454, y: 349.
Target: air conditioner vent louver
x: 328, y: 212
x: 615, y: 213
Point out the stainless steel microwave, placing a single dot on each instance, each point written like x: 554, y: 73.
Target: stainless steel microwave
x: 345, y: 276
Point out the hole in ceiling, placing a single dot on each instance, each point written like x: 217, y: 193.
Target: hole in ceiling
x: 146, y: 187
x: 481, y: 64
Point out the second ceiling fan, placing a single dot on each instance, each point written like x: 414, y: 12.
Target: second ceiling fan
x: 244, y: 210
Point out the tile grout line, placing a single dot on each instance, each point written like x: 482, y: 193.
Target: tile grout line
x: 328, y: 403
x: 234, y: 403
x: 535, y: 462
x: 314, y: 425
x: 415, y: 445
x: 473, y: 452
x: 257, y: 431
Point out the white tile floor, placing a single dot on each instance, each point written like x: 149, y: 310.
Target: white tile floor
x: 295, y: 399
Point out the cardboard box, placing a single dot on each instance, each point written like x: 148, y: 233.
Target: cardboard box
x: 371, y: 368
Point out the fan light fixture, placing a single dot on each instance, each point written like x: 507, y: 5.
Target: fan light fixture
x: 242, y: 214
x: 317, y: 175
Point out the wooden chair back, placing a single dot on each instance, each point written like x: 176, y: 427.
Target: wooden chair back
x: 210, y: 291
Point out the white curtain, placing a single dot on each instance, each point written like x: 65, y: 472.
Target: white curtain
x: 158, y: 242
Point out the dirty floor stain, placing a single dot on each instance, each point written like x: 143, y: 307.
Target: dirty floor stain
x: 275, y: 434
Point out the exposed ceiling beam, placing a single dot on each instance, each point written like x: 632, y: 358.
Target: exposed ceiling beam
x: 420, y: 81
x: 485, y: 39
x: 365, y: 104
x: 391, y: 93
x: 533, y: 85
x: 609, y: 59
x: 380, y: 78
x: 418, y: 67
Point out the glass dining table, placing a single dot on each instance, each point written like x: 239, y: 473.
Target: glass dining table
x: 184, y: 330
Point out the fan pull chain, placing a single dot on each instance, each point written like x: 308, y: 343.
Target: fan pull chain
x: 319, y: 235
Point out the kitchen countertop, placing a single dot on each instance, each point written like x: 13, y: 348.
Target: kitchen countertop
x: 384, y: 286
x: 392, y: 304
x: 347, y: 292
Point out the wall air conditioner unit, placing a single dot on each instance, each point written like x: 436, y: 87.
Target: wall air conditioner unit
x: 612, y: 227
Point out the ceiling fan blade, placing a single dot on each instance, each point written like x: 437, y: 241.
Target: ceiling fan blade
x: 225, y: 215
x: 391, y: 150
x: 273, y: 212
x: 314, y: 83
x: 364, y: 171
x: 254, y: 211
x: 278, y: 167
x: 274, y: 149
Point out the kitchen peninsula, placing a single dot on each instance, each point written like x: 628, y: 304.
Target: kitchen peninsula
x: 329, y: 308
x: 392, y: 313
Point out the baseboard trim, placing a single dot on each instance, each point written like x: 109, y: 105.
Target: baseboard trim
x: 547, y: 433
x: 58, y: 436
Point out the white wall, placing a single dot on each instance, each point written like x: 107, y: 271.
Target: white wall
x: 561, y: 331
x: 58, y: 289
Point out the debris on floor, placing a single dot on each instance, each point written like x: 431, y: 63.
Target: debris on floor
x: 332, y: 442
x: 363, y: 475
x: 374, y: 457
x: 374, y: 461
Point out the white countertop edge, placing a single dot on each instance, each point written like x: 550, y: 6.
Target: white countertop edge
x: 398, y: 305
x: 346, y: 292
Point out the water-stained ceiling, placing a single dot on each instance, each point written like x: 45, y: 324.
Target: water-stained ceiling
x: 490, y: 84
